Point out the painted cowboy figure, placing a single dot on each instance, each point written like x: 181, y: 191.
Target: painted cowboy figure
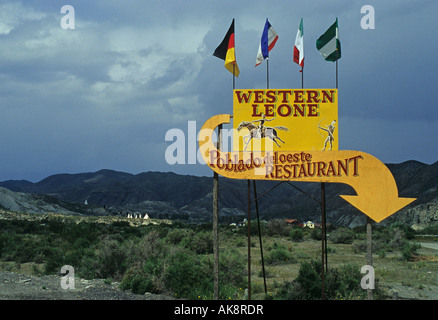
x: 261, y: 127
x: 330, y: 129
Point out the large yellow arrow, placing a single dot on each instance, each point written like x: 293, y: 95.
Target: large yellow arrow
x: 377, y: 193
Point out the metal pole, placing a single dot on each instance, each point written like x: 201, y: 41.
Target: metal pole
x: 322, y: 239
x: 234, y: 77
x: 249, y: 240
x: 325, y: 234
x: 215, y: 225
x: 369, y: 252
x: 215, y: 238
x: 260, y: 236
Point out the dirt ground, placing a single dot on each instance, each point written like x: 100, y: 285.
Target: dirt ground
x: 15, y: 286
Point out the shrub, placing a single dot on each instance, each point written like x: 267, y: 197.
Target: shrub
x: 54, y: 261
x: 110, y: 260
x: 147, y: 258
x: 409, y: 251
x: 309, y: 280
x: 176, y: 235
x: 199, y: 242
x: 342, y: 235
x: 240, y: 242
x: 342, y: 283
x: 138, y: 281
x: 144, y: 277
x: 430, y: 229
x: 232, y: 273
x: 150, y: 245
x: 408, y: 232
x: 393, y: 238
x: 296, y: 234
x: 232, y: 268
x: 316, y: 234
x: 278, y: 255
x: 184, y: 277
x: 277, y: 227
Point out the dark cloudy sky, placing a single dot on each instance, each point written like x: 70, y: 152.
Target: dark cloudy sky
x: 104, y: 94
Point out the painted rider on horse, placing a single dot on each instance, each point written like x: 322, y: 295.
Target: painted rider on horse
x: 261, y: 127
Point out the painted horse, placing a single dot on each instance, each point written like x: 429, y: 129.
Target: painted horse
x: 255, y: 132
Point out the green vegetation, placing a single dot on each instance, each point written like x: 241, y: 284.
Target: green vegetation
x: 341, y: 283
x: 177, y: 259
x: 394, y: 238
x: 167, y: 259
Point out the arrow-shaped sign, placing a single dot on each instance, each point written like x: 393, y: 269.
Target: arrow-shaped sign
x: 377, y: 193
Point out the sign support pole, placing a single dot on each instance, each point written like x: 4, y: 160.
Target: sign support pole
x: 216, y: 214
x: 249, y: 239
x: 369, y: 252
x: 215, y: 238
x: 322, y: 240
x: 215, y: 225
x: 260, y: 235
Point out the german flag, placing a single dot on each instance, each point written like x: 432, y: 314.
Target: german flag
x: 225, y: 51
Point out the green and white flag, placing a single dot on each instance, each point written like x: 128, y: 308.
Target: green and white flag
x: 328, y: 44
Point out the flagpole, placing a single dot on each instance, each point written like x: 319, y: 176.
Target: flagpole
x: 249, y: 239
x: 221, y: 52
x: 215, y: 232
x: 234, y: 76
x: 324, y: 235
x: 337, y: 29
x: 249, y: 236
x: 323, y: 242
x: 216, y: 216
x: 260, y: 58
x: 215, y: 211
x: 257, y: 206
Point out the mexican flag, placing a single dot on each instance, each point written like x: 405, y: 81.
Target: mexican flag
x: 299, y: 46
x: 328, y: 44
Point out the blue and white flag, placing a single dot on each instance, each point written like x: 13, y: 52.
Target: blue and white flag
x: 269, y: 38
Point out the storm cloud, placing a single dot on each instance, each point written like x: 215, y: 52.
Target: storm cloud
x: 104, y: 94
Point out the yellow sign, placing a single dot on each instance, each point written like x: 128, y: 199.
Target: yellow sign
x: 285, y: 119
x: 377, y: 193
